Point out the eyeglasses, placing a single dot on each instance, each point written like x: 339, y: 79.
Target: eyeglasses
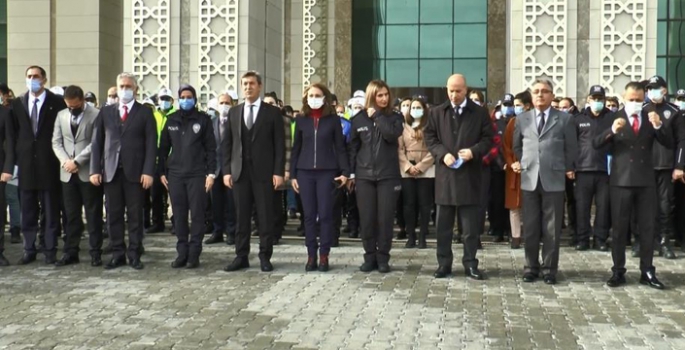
x: 541, y: 92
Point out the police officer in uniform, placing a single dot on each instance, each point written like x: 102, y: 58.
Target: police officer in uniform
x: 187, y: 161
x: 592, y: 178
x: 664, y: 163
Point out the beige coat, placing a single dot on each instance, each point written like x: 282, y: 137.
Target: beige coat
x: 414, y: 150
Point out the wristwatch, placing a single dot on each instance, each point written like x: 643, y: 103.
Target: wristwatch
x: 212, y: 176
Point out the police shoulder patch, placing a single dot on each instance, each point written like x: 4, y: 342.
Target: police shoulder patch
x: 196, y: 128
x: 667, y: 114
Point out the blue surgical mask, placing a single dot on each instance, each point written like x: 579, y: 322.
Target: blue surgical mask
x: 597, y: 106
x: 508, y: 110
x: 417, y: 113
x: 614, y: 109
x: 518, y: 110
x: 33, y: 85
x: 165, y: 105
x: 681, y: 105
x: 655, y: 95
x: 186, y: 104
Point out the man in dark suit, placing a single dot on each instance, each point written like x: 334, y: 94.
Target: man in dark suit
x: 546, y: 144
x: 71, y: 142
x: 631, y: 135
x: 29, y: 145
x: 459, y: 133
x: 8, y: 170
x: 222, y: 197
x: 123, y: 155
x: 254, y: 165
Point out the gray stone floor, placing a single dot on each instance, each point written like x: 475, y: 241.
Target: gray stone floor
x: 79, y: 307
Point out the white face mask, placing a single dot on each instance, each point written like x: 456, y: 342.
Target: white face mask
x: 125, y: 96
x: 224, y: 109
x: 315, y: 102
x: 111, y: 101
x: 417, y: 113
x: 404, y: 110
x: 681, y: 105
x: 633, y: 108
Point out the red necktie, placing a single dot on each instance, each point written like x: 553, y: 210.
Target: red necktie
x: 125, y: 115
x: 636, y: 124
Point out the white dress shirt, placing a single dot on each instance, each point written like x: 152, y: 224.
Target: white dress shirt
x: 246, y: 110
x: 128, y: 105
x: 461, y: 106
x: 41, y: 100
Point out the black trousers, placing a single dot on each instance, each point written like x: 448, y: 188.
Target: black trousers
x: 399, y: 214
x: 542, y: 219
x: 317, y: 193
x: 469, y: 215
x: 417, y: 197
x: 159, y: 203
x: 77, y: 195
x: 280, y: 213
x: 679, y: 210
x: 663, y: 228
x: 498, y: 215
x: 641, y: 201
x: 188, y: 194
x: 250, y: 193
x: 377, y: 201
x: 32, y: 203
x: 571, y: 207
x: 592, y: 185
x: 351, y: 210
x: 125, y: 197
x: 484, y: 198
x: 3, y: 215
x: 223, y: 205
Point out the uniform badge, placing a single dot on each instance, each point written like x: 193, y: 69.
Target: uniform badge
x: 196, y: 128
x: 667, y: 114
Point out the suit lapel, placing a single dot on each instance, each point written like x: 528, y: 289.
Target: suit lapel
x: 87, y: 116
x: 131, y: 114
x: 531, y: 120
x: 238, y: 122
x: 551, y: 120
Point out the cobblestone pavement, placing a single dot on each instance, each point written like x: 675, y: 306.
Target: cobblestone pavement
x: 79, y: 307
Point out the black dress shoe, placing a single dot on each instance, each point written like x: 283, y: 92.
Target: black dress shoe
x: 443, y: 271
x: 179, y: 263
x: 368, y: 266
x: 15, y: 233
x: 311, y: 264
x: 237, y: 264
x: 529, y: 277
x: 601, y: 246
x: 50, y: 259
x: 549, y: 279
x: 667, y: 252
x: 474, y: 273
x: 265, y: 266
x: 354, y: 234
x: 616, y: 280
x: 383, y: 267
x: 115, y: 262
x: 582, y: 246
x: 96, y: 261
x: 4, y: 261
x: 649, y: 278
x: 67, y: 260
x: 323, y: 264
x: 402, y: 234
x: 457, y: 239
x: 136, y: 264
x: 193, y: 264
x: 155, y: 229
x: 216, y: 237
x: 230, y: 239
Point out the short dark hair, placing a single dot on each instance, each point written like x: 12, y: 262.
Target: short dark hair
x: 557, y: 99
x: 4, y: 89
x: 570, y: 101
x: 524, y: 97
x: 73, y: 92
x: 272, y: 94
x: 612, y: 99
x: 250, y: 74
x: 288, y: 110
x: 635, y: 85
x: 42, y: 71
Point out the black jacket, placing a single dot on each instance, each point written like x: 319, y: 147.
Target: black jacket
x: 187, y: 147
x: 38, y: 166
x: 321, y: 148
x: 631, y: 164
x: 664, y: 157
x: 587, y: 128
x: 5, y: 132
x: 373, y: 146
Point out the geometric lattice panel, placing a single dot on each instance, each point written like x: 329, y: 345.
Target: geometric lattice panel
x: 623, y: 42
x: 150, y: 45
x: 218, y: 47
x: 544, y: 42
x: 315, y: 43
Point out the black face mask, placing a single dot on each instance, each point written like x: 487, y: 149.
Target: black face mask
x: 76, y: 111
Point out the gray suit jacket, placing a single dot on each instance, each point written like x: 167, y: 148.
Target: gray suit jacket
x: 548, y: 155
x: 66, y: 146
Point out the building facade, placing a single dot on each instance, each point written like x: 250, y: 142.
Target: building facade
x: 500, y: 45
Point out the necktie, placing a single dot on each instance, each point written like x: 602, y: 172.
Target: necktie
x: 541, y: 124
x: 34, y: 117
x: 250, y: 118
x: 222, y: 128
x: 125, y: 115
x: 636, y: 124
x: 456, y: 111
